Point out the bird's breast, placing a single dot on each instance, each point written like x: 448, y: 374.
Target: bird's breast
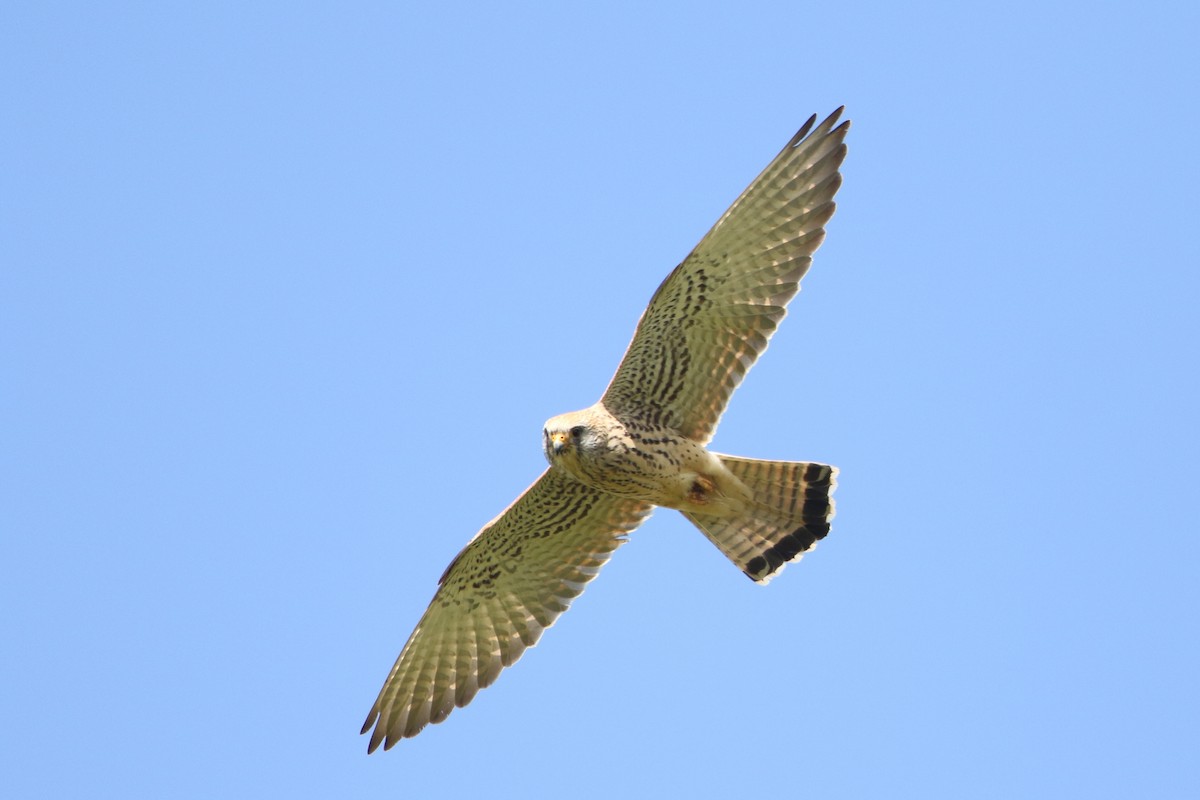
x: 649, y: 465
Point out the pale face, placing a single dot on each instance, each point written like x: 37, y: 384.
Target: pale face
x: 563, y: 437
x: 571, y: 438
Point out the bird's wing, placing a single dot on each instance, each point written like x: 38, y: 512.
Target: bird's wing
x: 497, y: 596
x: 712, y: 316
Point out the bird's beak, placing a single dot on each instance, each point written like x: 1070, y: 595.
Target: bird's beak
x: 558, y: 440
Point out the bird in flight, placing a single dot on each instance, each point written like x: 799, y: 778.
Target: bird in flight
x: 642, y: 445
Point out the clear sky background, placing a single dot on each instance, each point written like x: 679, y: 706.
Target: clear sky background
x: 288, y: 290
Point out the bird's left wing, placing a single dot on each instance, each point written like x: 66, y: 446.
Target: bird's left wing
x: 711, y: 318
x: 497, y: 596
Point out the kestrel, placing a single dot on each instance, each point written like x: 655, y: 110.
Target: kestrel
x: 642, y: 445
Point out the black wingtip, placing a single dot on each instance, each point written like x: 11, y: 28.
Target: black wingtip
x: 373, y: 745
x: 804, y: 129
x: 826, y: 126
x: 829, y: 122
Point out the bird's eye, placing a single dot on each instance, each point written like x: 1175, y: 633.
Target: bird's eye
x: 576, y: 432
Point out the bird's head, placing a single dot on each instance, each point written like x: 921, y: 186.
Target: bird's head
x: 568, y: 438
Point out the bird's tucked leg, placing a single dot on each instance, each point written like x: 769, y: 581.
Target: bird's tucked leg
x: 701, y: 490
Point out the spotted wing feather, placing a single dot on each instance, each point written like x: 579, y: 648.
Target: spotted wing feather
x: 497, y: 596
x: 711, y: 318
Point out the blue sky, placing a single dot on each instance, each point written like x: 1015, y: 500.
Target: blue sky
x: 289, y: 289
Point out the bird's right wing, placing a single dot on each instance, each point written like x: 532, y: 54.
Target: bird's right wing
x: 497, y: 596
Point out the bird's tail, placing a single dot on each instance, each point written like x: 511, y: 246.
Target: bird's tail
x: 790, y: 511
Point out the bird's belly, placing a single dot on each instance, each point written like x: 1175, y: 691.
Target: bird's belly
x: 676, y: 475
